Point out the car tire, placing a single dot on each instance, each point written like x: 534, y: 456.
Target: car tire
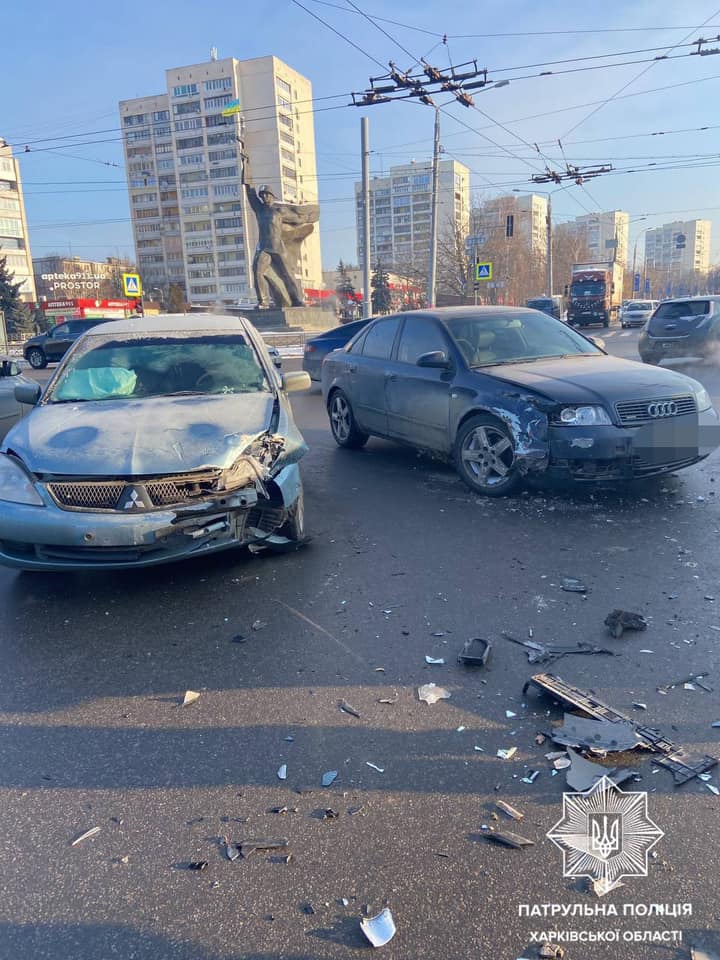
x: 652, y: 360
x: 344, y: 427
x: 36, y: 358
x: 294, y: 526
x: 493, y: 471
x: 606, y: 321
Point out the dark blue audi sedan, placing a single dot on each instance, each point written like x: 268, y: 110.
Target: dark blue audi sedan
x: 506, y: 392
x: 319, y: 347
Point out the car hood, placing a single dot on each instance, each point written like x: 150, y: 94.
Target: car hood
x: 593, y: 379
x: 159, y: 435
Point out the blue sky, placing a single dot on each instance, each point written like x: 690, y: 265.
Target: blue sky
x: 75, y: 64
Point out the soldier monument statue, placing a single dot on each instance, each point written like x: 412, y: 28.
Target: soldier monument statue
x: 281, y: 229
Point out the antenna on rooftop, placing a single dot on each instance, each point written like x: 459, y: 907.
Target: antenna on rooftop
x: 213, y: 53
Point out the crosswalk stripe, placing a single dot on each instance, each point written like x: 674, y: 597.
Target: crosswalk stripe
x: 625, y: 334
x: 610, y: 333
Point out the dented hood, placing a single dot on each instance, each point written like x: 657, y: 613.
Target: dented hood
x: 160, y: 435
x: 592, y: 379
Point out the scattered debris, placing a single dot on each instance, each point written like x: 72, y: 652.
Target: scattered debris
x: 231, y: 849
x: 393, y: 699
x: 510, y: 811
x: 713, y: 789
x: 289, y: 739
x: 603, y: 885
x: 531, y: 776
x: 562, y: 763
x: 620, y: 620
x: 330, y: 814
x: 507, y: 754
x: 582, y: 774
x: 329, y: 777
x: 435, y: 661
x: 282, y: 772
x: 431, y: 693
x: 353, y: 810
x: 684, y: 766
x: 238, y: 638
x: 715, y: 723
x: 688, y: 683
x: 475, y: 652
x: 546, y: 652
x: 197, y: 865
x: 283, y: 810
x: 508, y: 839
x: 595, y: 734
x: 379, y: 929
x: 572, y: 585
x: 92, y: 832
x: 550, y: 951
x: 308, y: 909
x: 509, y: 714
x: 459, y: 729
x: 190, y: 697
x: 639, y: 706
x: 346, y: 708
x: 259, y: 624
x: 375, y: 766
x: 699, y: 953
x: 540, y: 739
x: 248, y: 847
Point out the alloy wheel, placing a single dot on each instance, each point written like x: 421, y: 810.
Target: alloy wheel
x: 488, y: 455
x: 340, y: 417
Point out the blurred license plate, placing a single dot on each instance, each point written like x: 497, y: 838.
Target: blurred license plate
x: 667, y: 441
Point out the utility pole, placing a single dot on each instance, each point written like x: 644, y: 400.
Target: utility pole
x: 365, y: 147
x: 549, y: 254
x: 432, y: 272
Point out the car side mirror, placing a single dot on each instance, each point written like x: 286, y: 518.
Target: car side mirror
x: 28, y: 393
x: 296, y: 380
x: 435, y: 359
x: 277, y: 362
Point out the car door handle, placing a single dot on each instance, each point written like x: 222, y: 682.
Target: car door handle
x: 391, y: 377
x: 352, y: 367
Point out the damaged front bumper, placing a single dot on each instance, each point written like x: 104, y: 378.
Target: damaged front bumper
x: 625, y: 453
x: 50, y: 538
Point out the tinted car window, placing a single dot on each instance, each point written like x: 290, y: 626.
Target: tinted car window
x: 685, y: 308
x: 62, y: 330
x: 419, y: 336
x: 346, y: 329
x: 380, y: 338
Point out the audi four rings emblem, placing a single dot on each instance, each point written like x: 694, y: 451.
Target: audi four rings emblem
x: 665, y: 408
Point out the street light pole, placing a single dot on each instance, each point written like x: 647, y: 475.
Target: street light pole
x: 432, y: 272
x: 549, y: 254
x: 365, y: 147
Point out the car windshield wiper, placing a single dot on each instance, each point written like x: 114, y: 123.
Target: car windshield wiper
x: 69, y: 400
x: 181, y: 393
x: 499, y: 363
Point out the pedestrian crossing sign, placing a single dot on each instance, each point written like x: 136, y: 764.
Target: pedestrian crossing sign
x: 131, y: 285
x: 483, y: 271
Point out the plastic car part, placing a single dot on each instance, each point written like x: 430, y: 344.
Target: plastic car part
x: 379, y: 929
x: 595, y: 734
x: 508, y: 839
x: 475, y: 652
x: 583, y: 774
x: 684, y: 766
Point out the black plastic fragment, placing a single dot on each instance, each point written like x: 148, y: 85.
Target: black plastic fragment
x: 475, y: 652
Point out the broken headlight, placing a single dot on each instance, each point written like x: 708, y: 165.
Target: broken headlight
x: 15, y: 485
x: 584, y: 416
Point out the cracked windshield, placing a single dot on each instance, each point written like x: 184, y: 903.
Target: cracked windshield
x: 359, y: 428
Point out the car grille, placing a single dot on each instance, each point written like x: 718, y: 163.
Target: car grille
x: 104, y: 495
x: 644, y: 468
x: 637, y: 411
x: 266, y: 519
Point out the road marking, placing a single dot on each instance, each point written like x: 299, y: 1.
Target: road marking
x: 626, y: 334
x: 611, y: 333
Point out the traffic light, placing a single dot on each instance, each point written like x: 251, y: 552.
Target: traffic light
x: 509, y: 225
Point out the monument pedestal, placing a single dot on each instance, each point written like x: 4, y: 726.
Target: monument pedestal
x: 278, y: 319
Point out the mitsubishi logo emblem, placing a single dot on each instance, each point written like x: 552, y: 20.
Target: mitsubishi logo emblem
x: 134, y: 498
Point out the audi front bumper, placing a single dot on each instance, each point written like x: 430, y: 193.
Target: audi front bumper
x: 625, y: 453
x: 50, y: 538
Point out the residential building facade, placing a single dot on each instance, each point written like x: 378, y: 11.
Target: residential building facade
x: 605, y: 235
x: 665, y: 248
x: 191, y: 222
x: 401, y: 211
x: 67, y: 278
x: 490, y: 221
x: 14, y: 242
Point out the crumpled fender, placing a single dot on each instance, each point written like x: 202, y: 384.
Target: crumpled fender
x: 528, y: 424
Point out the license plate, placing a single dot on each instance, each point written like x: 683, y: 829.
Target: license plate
x: 666, y: 346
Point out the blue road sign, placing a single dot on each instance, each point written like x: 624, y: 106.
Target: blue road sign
x: 636, y: 282
x: 483, y: 271
x: 647, y: 286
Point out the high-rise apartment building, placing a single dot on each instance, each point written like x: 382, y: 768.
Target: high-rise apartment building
x: 683, y: 245
x: 14, y: 243
x: 191, y: 222
x: 66, y: 278
x: 529, y: 220
x: 605, y: 235
x: 400, y: 212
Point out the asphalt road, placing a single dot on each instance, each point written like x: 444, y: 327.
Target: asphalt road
x: 405, y: 563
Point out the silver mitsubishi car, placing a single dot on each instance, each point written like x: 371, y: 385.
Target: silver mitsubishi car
x: 157, y: 439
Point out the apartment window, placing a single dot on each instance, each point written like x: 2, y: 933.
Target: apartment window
x: 187, y: 108
x: 195, y: 209
x: 226, y: 190
x: 229, y: 206
x: 135, y: 120
x: 147, y: 214
x: 284, y: 86
x: 189, y: 143
x: 201, y: 274
x: 217, y: 103
x: 213, y: 139
x: 286, y: 138
x: 289, y: 173
x: 282, y: 102
x: 228, y: 154
x: 230, y: 256
x: 221, y: 83
x: 10, y: 204
x: 166, y: 182
x: 285, y: 121
x: 151, y: 258
x: 215, y: 120
x: 228, y: 223
x: 233, y: 287
x: 167, y: 164
x: 231, y: 271
x: 192, y: 160
x: 185, y: 90
x: 193, y: 193
x: 219, y: 173
x: 6, y: 166
x: 198, y: 244
x: 199, y: 226
x: 136, y: 135
x: 145, y: 244
x: 193, y: 176
x: 160, y: 115
x: 163, y: 148
x: 231, y: 241
x: 142, y: 182
x: 203, y: 288
x: 147, y: 228
x: 287, y: 155
x: 143, y: 199
x: 139, y: 152
x: 193, y: 124
x: 200, y: 258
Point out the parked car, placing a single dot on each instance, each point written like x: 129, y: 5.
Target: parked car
x: 554, y: 306
x: 52, y: 346
x: 637, y: 313
x: 11, y: 410
x: 157, y: 439
x: 506, y: 392
x: 682, y: 328
x: 275, y: 356
x: 319, y: 347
